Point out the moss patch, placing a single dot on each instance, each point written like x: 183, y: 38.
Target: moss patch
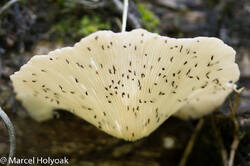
x: 77, y: 28
x: 149, y: 20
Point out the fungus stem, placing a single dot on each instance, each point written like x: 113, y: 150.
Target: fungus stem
x: 11, y: 131
x: 124, y: 15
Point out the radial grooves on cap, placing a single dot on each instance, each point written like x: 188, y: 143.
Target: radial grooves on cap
x: 128, y: 83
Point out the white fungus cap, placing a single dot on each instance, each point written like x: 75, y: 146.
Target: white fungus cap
x: 127, y: 84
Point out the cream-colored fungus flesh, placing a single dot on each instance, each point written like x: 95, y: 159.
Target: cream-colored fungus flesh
x: 127, y: 84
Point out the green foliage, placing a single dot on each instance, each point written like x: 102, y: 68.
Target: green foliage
x: 70, y: 26
x: 2, y: 31
x: 64, y: 28
x: 23, y: 2
x: 64, y: 5
x: 149, y: 19
x: 77, y: 28
x: 70, y: 5
x: 60, y: 2
x: 92, y: 24
x: 180, y: 35
x: 212, y: 3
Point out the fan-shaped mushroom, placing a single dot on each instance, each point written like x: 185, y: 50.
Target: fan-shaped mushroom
x: 128, y: 83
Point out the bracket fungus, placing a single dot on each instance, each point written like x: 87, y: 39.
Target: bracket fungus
x: 128, y: 83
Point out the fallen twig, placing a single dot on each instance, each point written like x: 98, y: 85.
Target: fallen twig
x: 124, y: 15
x: 92, y: 5
x: 131, y: 18
x: 191, y: 142
x: 234, y: 147
x: 7, y: 5
x: 221, y: 145
x: 11, y: 131
x: 236, y: 139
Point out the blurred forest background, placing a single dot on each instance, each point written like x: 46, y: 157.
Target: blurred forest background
x: 30, y: 27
